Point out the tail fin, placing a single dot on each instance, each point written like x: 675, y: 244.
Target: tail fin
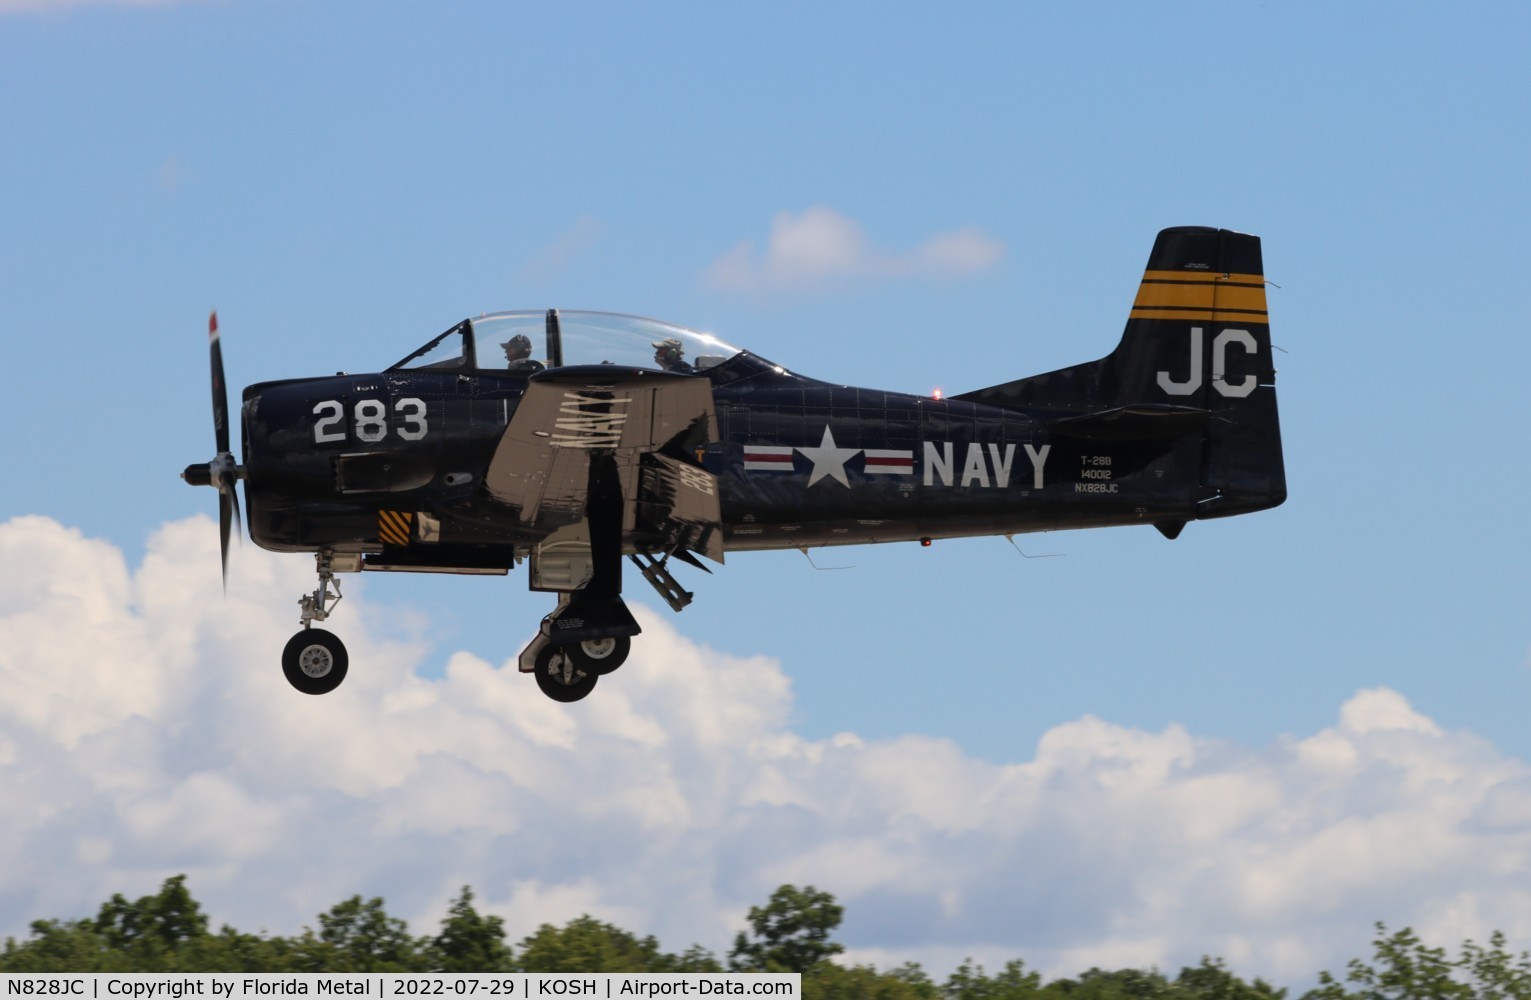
x: 1197, y: 342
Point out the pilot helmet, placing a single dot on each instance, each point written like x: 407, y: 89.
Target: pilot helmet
x: 520, y: 342
x: 668, y: 349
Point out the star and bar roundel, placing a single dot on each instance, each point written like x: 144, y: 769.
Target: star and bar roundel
x: 829, y: 459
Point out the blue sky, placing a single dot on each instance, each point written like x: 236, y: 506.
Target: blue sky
x: 343, y: 180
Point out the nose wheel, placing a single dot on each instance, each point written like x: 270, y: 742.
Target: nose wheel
x: 315, y: 661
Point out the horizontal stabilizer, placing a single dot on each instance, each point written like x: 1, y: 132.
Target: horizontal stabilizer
x: 1136, y: 422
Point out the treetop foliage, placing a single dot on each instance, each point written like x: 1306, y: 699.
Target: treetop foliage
x: 168, y: 932
x: 790, y: 933
x: 1406, y: 969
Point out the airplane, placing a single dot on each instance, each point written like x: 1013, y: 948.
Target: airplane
x: 567, y: 440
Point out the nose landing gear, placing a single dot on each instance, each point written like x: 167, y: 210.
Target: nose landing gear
x: 314, y: 660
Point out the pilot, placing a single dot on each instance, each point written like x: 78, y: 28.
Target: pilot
x: 518, y: 354
x: 669, y: 356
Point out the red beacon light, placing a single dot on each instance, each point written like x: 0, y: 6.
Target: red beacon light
x: 925, y: 543
x: 936, y: 395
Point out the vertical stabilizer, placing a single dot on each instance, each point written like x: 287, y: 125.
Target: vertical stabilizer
x: 1197, y: 339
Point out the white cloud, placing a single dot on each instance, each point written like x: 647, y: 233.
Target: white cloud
x: 145, y: 730
x: 820, y: 247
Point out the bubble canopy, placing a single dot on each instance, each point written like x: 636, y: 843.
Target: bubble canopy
x: 554, y: 338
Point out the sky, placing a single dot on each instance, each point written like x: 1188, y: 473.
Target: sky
x: 1251, y: 742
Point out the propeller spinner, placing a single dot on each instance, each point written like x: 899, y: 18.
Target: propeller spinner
x: 222, y: 473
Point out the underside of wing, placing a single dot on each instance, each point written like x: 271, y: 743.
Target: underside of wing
x: 651, y: 424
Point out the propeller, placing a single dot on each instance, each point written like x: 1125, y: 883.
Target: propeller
x: 222, y: 473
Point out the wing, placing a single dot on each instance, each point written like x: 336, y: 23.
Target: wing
x: 650, y: 422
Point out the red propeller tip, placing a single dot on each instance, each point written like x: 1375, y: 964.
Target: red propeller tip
x: 212, y: 323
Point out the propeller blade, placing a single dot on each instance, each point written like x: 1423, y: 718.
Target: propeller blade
x: 221, y: 473
x: 229, y: 517
x: 239, y: 522
x: 225, y: 510
x: 220, y: 394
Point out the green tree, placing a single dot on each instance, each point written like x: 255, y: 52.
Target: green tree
x: 1122, y: 984
x: 154, y: 930
x: 790, y: 933
x: 827, y: 981
x: 470, y: 941
x: 1013, y: 982
x: 1404, y: 968
x: 586, y: 944
x: 1494, y: 973
x: 357, y: 936
x: 61, y: 946
x: 233, y: 951
x: 1211, y: 980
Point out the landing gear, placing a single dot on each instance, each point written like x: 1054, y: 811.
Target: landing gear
x: 318, y: 605
x: 314, y: 660
x: 600, y: 656
x: 590, y: 633
x: 560, y: 677
x: 583, y: 640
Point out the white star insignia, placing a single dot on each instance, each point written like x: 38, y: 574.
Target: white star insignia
x: 828, y: 460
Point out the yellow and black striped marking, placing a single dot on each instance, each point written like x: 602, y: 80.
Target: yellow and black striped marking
x: 393, y: 526
x: 1203, y: 296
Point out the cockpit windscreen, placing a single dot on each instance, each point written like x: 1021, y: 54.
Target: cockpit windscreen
x: 532, y: 340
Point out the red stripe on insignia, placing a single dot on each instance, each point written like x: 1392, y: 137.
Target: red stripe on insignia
x: 768, y: 457
x: 888, y: 462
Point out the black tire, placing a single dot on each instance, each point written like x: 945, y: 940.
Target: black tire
x: 600, y: 656
x: 560, y: 677
x: 315, y: 661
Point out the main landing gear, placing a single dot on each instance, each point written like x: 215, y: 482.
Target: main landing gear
x: 315, y: 661
x: 590, y: 633
x: 586, y: 637
x: 582, y: 641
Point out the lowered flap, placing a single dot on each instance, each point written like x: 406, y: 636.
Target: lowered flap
x: 678, y: 502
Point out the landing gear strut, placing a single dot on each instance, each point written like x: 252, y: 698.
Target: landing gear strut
x: 315, y: 661
x: 590, y: 633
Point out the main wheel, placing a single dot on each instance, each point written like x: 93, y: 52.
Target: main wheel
x: 560, y: 678
x: 315, y: 661
x: 600, y: 656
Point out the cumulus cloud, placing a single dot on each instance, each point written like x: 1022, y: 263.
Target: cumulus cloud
x: 820, y: 247
x: 146, y: 731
